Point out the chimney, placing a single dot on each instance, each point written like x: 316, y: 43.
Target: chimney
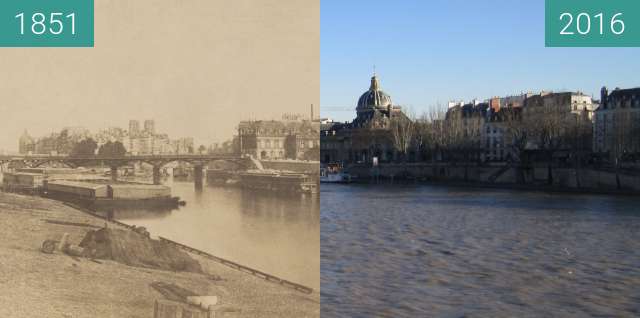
x: 311, y: 112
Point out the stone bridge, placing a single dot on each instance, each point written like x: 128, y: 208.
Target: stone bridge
x: 157, y: 161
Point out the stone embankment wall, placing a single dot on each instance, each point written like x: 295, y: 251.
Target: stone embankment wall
x: 499, y: 174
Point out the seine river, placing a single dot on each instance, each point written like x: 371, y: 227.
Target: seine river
x: 279, y: 235
x: 437, y: 251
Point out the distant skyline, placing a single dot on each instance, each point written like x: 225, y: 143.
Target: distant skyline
x: 429, y: 52
x: 196, y: 67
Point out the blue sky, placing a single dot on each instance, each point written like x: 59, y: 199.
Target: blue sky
x: 431, y: 51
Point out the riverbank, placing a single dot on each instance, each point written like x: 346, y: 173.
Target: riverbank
x: 563, y: 180
x: 56, y: 285
x: 503, y: 186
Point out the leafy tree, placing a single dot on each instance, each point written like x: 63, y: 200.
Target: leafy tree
x: 202, y: 149
x: 84, y: 148
x: 112, y: 149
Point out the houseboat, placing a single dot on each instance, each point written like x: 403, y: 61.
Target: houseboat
x: 23, y: 182
x: 32, y: 180
x: 277, y: 181
x: 102, y: 195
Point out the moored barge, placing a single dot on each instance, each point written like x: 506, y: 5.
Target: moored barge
x: 283, y: 182
x: 105, y: 195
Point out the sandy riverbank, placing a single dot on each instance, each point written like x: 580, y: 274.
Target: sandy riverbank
x: 34, y: 284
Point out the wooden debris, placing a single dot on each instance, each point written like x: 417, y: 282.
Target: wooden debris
x: 70, y: 223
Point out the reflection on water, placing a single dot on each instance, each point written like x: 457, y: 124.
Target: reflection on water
x: 451, y: 252
x: 277, y: 234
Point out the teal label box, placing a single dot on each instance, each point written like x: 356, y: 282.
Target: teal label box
x: 46, y: 23
x: 592, y: 23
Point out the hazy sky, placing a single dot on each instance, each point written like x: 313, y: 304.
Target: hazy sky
x: 434, y: 51
x: 197, y: 67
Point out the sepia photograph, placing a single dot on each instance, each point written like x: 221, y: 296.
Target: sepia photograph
x: 171, y: 170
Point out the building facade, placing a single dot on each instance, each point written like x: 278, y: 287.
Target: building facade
x: 134, y: 128
x: 369, y: 138
x: 291, y: 138
x: 465, y: 127
x: 134, y: 140
x: 617, y: 122
x: 560, y: 121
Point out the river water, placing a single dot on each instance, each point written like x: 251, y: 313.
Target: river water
x: 277, y: 234
x: 437, y: 251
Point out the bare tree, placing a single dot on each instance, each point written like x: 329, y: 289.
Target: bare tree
x: 422, y: 135
x: 463, y: 126
x: 427, y: 135
x: 578, y: 138
x: 431, y: 131
x: 624, y: 138
x: 546, y: 125
x: 515, y: 131
x: 516, y: 137
x: 403, y: 132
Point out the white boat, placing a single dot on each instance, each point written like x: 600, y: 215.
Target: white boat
x: 333, y: 173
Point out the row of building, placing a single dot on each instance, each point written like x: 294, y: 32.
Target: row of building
x: 541, y: 121
x: 293, y: 137
x: 136, y: 140
x: 492, y: 128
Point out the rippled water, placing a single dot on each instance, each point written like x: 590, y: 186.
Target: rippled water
x: 273, y: 233
x: 431, y: 251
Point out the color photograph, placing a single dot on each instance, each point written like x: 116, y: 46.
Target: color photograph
x: 467, y: 170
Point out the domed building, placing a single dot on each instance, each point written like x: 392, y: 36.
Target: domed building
x: 374, y: 98
x: 368, y: 137
x: 375, y: 108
